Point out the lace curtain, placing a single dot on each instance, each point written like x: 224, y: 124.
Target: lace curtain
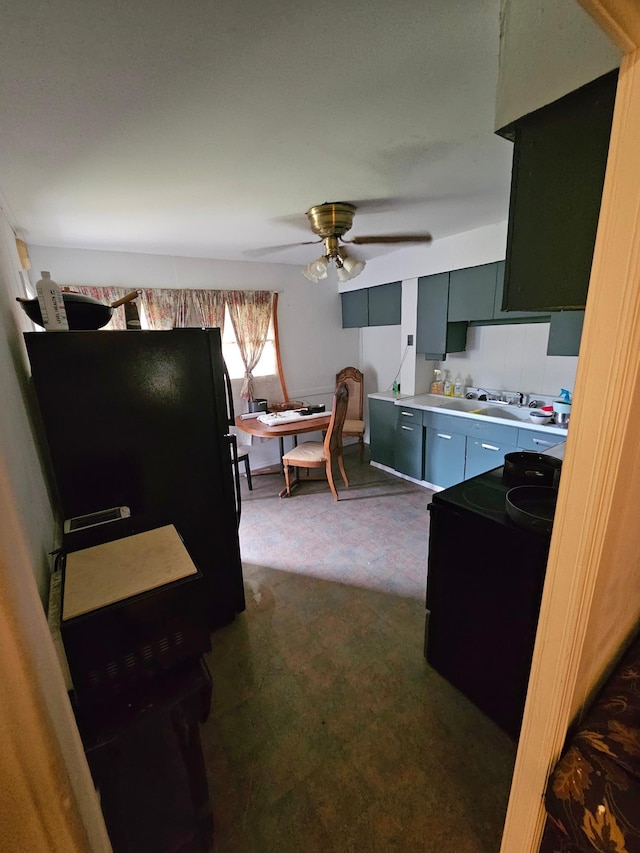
x: 164, y: 308
x: 250, y: 312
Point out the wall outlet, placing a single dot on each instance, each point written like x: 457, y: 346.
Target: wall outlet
x: 409, y: 340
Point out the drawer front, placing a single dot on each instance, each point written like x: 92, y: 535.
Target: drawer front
x: 448, y: 423
x: 409, y: 416
x: 484, y: 455
x: 494, y: 433
x: 529, y: 439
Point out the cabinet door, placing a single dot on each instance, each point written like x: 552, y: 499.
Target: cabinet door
x: 444, y: 457
x: 499, y: 314
x: 409, y: 447
x: 565, y: 333
x: 484, y: 455
x: 472, y: 293
x: 355, y: 309
x: 385, y: 304
x: 382, y: 431
x: 560, y: 156
x: 435, y: 336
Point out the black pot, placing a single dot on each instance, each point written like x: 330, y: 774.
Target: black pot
x: 532, y: 507
x: 525, y: 468
x: 83, y: 312
x: 258, y: 405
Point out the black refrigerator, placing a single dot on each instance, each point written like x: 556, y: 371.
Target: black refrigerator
x: 140, y: 419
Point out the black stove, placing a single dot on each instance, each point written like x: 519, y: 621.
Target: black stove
x: 484, y: 586
x: 484, y: 495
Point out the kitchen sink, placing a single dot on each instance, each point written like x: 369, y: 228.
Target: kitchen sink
x: 460, y: 405
x: 477, y: 407
x: 507, y: 413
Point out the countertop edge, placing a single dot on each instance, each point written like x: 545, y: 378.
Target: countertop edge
x: 437, y: 406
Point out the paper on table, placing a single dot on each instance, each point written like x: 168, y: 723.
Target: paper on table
x: 276, y: 418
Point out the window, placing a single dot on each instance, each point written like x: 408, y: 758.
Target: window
x: 267, y: 366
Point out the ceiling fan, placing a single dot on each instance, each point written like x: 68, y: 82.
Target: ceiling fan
x: 331, y: 221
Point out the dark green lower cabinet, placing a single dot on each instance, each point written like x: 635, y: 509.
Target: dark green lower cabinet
x: 383, y: 415
x: 484, y: 455
x: 409, y: 449
x: 444, y: 457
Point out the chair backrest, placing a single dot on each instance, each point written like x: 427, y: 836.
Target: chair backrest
x: 333, y: 437
x: 354, y: 380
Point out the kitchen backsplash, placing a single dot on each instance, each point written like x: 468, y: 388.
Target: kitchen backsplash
x: 513, y: 357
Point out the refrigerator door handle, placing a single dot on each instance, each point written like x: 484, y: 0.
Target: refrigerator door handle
x: 227, y: 383
x: 233, y: 442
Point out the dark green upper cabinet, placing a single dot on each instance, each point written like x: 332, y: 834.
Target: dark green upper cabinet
x: 499, y: 314
x: 472, y: 293
x: 565, y: 333
x: 385, y: 304
x: 372, y: 306
x: 435, y: 335
x: 355, y: 309
x: 560, y: 156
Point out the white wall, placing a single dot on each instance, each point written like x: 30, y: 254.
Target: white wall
x: 547, y: 49
x: 512, y: 358
x: 20, y: 458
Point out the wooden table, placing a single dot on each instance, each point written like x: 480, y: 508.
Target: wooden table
x: 294, y: 428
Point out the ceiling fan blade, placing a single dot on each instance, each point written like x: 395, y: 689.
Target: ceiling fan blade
x: 269, y: 250
x: 391, y: 238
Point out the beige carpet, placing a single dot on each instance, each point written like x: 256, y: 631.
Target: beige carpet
x: 329, y: 731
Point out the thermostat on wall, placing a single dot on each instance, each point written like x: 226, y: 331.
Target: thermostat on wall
x: 81, y: 522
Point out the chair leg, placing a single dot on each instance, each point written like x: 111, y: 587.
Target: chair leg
x: 342, y: 471
x: 247, y: 468
x: 361, y: 447
x: 332, y: 485
x: 286, y: 479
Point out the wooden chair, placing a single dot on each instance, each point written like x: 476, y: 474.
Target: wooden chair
x: 321, y: 454
x: 353, y: 424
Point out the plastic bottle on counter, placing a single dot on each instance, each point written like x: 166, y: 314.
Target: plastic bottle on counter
x: 458, y: 387
x: 436, y: 385
x: 447, y: 388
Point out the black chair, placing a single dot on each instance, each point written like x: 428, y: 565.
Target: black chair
x: 243, y: 456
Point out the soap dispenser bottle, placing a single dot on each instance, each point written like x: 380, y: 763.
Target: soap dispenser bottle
x: 458, y: 388
x: 448, y: 385
x: 436, y: 385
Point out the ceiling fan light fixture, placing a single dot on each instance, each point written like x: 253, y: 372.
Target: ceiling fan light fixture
x: 317, y: 269
x: 352, y: 266
x: 306, y: 272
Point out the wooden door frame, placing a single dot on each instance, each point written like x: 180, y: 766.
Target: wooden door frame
x: 597, y: 486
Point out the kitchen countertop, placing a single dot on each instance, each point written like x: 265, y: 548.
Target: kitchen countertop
x: 460, y: 407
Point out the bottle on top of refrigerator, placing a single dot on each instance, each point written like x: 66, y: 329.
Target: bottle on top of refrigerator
x: 447, y: 388
x: 436, y: 385
x: 458, y: 387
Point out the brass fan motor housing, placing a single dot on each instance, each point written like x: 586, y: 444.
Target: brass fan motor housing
x: 331, y: 219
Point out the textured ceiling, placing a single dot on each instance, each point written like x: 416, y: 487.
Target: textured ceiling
x: 208, y: 129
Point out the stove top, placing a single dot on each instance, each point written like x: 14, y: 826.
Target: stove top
x: 484, y: 495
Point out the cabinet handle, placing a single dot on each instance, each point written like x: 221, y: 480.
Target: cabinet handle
x: 442, y: 435
x: 489, y: 447
x: 406, y: 427
x: 407, y: 414
x: 543, y: 443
